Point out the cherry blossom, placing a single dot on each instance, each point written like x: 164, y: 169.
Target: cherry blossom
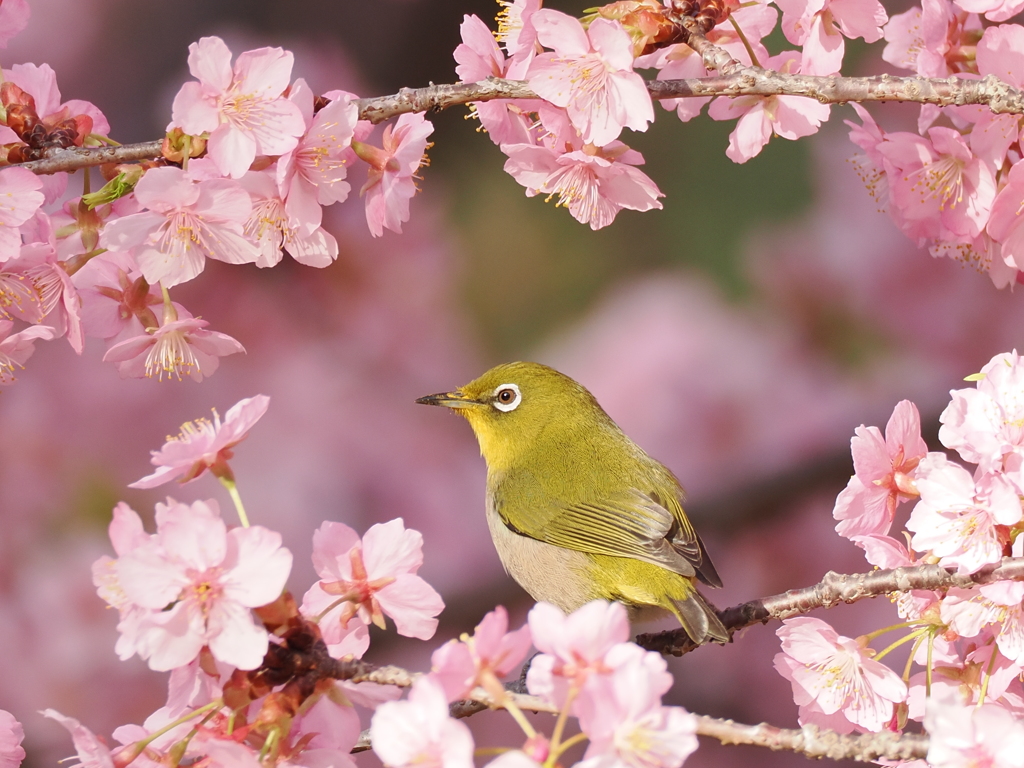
x: 966, y: 736
x: 481, y: 659
x: 515, y: 27
x: 985, y: 425
x: 242, y: 108
x: 198, y: 580
x: 820, y: 26
x: 278, y: 226
x: 184, y: 223
x: 835, y: 682
x: 1004, y: 225
x: 419, y: 732
x: 580, y: 651
x: 370, y: 578
x: 16, y: 348
x: 593, y: 184
x: 203, y: 444
x: 53, y: 296
x: 479, y: 57
x: 313, y: 174
x: 939, y: 188
x: 590, y: 73
x: 116, y: 299
x: 956, y: 519
x: 13, y: 19
x: 92, y: 752
x: 994, y: 10
x: 790, y: 117
x: 391, y: 181
x: 11, y: 734
x: 884, y: 473
x: 178, y: 348
x: 20, y: 198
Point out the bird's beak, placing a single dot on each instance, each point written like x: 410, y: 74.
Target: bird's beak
x: 454, y: 399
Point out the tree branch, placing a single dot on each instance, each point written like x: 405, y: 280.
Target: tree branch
x: 837, y: 588
x: 816, y: 742
x: 734, y: 80
x: 809, y: 740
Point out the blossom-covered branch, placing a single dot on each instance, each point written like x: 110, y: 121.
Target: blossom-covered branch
x: 1000, y: 97
x: 837, y: 588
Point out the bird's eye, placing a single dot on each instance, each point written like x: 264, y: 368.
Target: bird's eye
x: 507, y: 397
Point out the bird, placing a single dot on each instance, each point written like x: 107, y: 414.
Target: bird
x: 578, y: 511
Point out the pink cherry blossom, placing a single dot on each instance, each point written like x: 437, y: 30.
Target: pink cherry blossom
x: 184, y: 223
x: 593, y: 184
x: 994, y: 10
x: 277, y: 226
x: 16, y: 348
x: 833, y: 676
x: 938, y: 188
x: 621, y: 713
x: 515, y: 27
x: 391, y: 180
x: 11, y: 734
x: 481, y: 659
x: 92, y: 752
x: 583, y: 648
x: 884, y: 473
x: 791, y: 117
x: 956, y: 519
x: 243, y: 109
x: 20, y: 198
x: 419, y: 731
x: 1000, y: 52
x: 997, y: 609
x: 936, y: 39
x: 1005, y: 223
x: 820, y: 26
x: 203, y: 444
x: 591, y: 74
x: 314, y: 172
x: 985, y: 425
x: 116, y: 299
x: 198, y: 581
x: 967, y: 736
x: 13, y: 19
x: 177, y: 348
x: 506, y: 121
x: 370, y: 579
x: 53, y: 296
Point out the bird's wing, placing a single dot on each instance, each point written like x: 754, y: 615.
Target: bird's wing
x: 628, y: 523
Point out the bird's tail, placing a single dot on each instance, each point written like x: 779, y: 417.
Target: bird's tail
x: 699, y: 619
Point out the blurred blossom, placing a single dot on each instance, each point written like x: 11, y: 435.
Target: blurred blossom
x: 11, y: 734
x: 419, y: 731
x: 963, y: 736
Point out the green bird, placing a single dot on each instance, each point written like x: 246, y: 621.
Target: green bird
x: 576, y: 509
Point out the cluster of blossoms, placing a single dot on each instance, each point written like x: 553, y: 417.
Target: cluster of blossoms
x: 251, y: 156
x: 207, y: 603
x: 954, y: 185
x: 970, y: 643
x: 249, y: 161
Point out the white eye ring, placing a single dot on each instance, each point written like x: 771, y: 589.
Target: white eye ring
x: 507, y: 405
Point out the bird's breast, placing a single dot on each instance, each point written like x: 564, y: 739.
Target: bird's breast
x: 549, y: 573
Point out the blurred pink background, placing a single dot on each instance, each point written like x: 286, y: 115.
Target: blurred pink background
x: 739, y: 335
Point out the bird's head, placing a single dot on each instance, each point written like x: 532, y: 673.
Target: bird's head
x: 513, y: 406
